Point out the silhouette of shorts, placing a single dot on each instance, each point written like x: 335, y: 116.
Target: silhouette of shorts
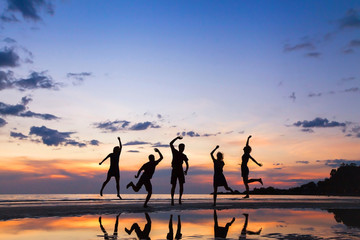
x: 146, y: 182
x: 177, y: 173
x: 114, y: 172
x: 244, y: 171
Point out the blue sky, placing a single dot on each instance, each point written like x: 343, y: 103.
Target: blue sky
x: 215, y: 71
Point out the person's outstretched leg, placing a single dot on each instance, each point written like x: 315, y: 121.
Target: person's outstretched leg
x: 104, y: 184
x: 117, y: 178
x: 255, y: 180
x: 181, y: 190
x: 136, y: 187
x: 228, y: 188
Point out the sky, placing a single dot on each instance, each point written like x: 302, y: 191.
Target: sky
x: 75, y: 75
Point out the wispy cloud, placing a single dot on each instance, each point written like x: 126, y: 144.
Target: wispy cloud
x: 337, y: 162
x: 350, y: 21
x: 303, y: 162
x: 132, y: 143
x: 119, y: 125
x: 195, y: 134
x: 299, y: 46
x: 18, y: 135
x: 19, y: 110
x: 78, y: 78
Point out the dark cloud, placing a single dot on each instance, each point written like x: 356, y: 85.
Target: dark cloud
x: 118, y: 125
x: 2, y: 122
x: 300, y: 46
x: 314, y: 94
x: 8, y: 18
x: 319, y: 123
x: 292, y: 96
x: 348, y: 51
x: 351, y: 20
x: 94, y: 142
x: 29, y: 9
x: 353, y: 89
x: 143, y: 126
x: 195, y: 134
x: 308, y: 130
x: 160, y: 145
x: 278, y: 164
x: 8, y: 57
x: 133, y: 151
x: 78, y: 78
x: 355, y: 131
x: 337, y: 162
x: 18, y: 135
x: 52, y: 137
x: 348, y: 79
x: 354, y: 43
x: 313, y: 54
x: 112, y: 126
x: 9, y: 40
x: 20, y: 110
x: 303, y: 162
x: 132, y: 143
x: 36, y: 80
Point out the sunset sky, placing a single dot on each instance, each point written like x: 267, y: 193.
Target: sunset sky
x: 76, y: 74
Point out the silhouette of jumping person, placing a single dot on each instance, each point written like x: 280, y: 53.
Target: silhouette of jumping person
x: 245, y: 170
x: 144, y: 234
x: 114, y: 168
x: 178, y: 235
x: 177, y: 170
x: 106, y: 235
x: 149, y: 169
x: 219, y: 178
x: 221, y: 232
x: 244, y: 231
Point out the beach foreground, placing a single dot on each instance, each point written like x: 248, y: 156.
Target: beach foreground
x: 71, y: 207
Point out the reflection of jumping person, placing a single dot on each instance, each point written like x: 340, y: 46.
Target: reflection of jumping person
x: 149, y: 169
x: 244, y: 231
x: 245, y: 169
x: 177, y: 170
x: 221, y: 232
x: 219, y: 178
x: 106, y: 235
x: 144, y: 234
x: 178, y: 234
x: 114, y: 168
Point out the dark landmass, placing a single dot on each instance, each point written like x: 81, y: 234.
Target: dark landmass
x: 344, y: 181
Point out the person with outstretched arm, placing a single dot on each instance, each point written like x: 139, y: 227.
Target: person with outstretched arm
x: 177, y: 172
x: 149, y: 169
x: 114, y: 168
x: 245, y: 170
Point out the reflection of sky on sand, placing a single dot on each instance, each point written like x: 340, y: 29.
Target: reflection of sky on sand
x: 274, y: 224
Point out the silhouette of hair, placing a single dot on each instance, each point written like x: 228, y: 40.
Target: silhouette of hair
x: 220, y: 156
x: 151, y: 157
x: 247, y: 149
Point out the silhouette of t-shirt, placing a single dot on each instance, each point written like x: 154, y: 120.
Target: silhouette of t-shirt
x: 149, y: 169
x: 178, y: 159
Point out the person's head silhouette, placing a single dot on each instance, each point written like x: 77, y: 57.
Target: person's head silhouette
x: 247, y: 149
x: 181, y: 147
x: 220, y: 156
x: 116, y: 149
x: 151, y: 158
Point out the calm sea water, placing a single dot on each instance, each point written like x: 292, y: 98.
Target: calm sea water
x: 192, y: 224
